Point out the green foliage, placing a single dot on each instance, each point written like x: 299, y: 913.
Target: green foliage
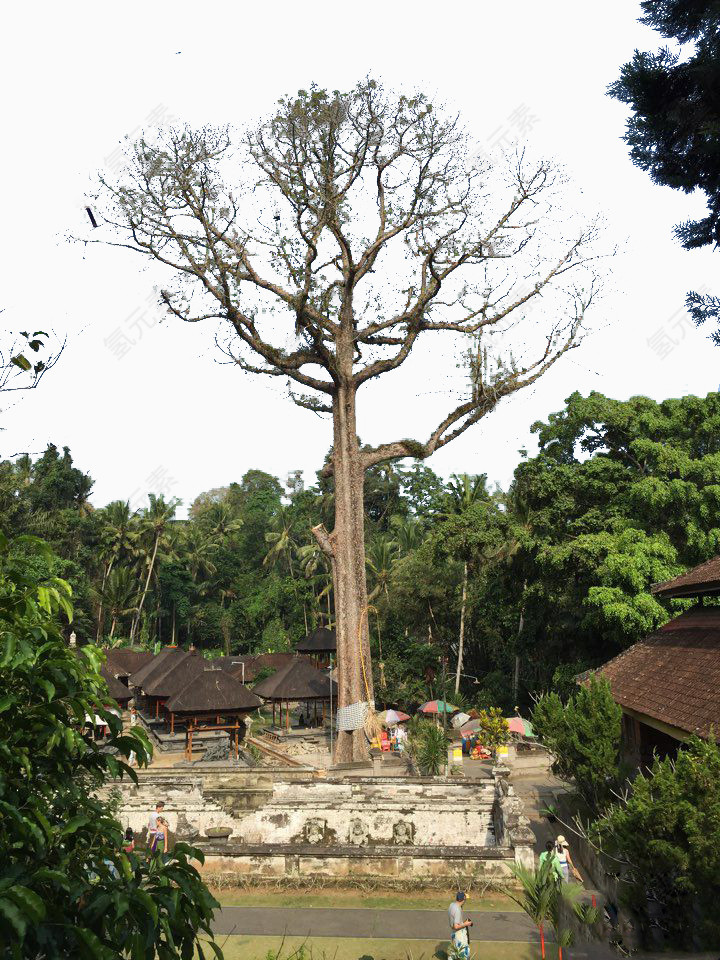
x: 667, y: 832
x: 428, y: 743
x: 672, y: 131
x: 493, y: 728
x: 67, y: 888
x: 584, y: 738
x: 559, y: 569
x: 541, y: 896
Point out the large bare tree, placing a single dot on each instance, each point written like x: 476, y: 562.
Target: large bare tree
x: 356, y: 224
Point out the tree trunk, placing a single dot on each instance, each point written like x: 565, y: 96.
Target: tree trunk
x: 136, y: 621
x: 461, y: 642
x: 346, y: 548
x: 521, y: 624
x: 101, y: 610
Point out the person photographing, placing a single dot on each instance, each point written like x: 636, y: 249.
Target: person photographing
x: 459, y: 925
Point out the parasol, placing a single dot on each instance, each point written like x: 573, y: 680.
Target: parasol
x: 437, y: 706
x: 459, y: 719
x: 389, y: 718
x: 518, y: 725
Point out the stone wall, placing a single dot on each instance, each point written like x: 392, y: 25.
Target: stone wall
x: 266, y: 823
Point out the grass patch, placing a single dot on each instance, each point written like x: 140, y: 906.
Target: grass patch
x: 388, y: 900
x: 330, y: 948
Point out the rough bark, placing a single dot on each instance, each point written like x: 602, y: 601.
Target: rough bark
x: 346, y: 548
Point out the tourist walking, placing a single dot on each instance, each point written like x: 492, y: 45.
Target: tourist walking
x: 153, y: 823
x: 550, y: 853
x: 562, y: 851
x: 459, y: 926
x: 161, y: 839
x: 129, y: 841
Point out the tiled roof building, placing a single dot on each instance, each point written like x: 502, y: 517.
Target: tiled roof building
x: 668, y: 685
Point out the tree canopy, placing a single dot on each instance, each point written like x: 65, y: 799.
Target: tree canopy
x: 674, y: 130
x: 67, y: 887
x: 621, y: 494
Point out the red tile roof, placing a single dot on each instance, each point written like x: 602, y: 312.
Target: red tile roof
x: 674, y: 675
x: 704, y: 578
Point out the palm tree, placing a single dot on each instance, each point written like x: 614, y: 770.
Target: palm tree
x: 407, y: 533
x: 464, y: 490
x: 380, y: 557
x: 154, y: 523
x: 117, y: 540
x: 538, y: 895
x: 119, y: 595
x: 283, y: 544
x: 219, y: 521
x: 316, y: 568
x: 198, y: 549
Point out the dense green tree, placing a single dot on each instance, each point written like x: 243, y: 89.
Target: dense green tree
x: 66, y: 886
x: 583, y: 736
x: 665, y: 836
x: 674, y: 130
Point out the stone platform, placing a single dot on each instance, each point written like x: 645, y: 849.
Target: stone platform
x: 293, y: 823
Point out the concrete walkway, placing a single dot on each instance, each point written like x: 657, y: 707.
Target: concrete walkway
x: 409, y: 925
x: 386, y: 924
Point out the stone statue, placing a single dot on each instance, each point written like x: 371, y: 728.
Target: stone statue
x: 403, y: 832
x: 358, y: 833
x: 315, y: 830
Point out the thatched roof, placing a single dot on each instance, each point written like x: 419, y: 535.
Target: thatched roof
x: 118, y: 691
x: 321, y: 640
x: 255, y: 662
x: 213, y: 691
x: 160, y: 664
x: 124, y: 661
x: 174, y: 675
x: 299, y: 680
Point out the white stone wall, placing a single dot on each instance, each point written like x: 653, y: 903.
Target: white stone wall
x: 325, y: 813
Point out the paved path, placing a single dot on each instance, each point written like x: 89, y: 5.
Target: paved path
x: 386, y: 924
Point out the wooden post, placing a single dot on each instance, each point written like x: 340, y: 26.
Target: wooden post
x: 190, y: 746
x: 273, y: 713
x: 315, y: 711
x: 157, y: 709
x: 287, y: 716
x: 237, y: 727
x: 172, y: 724
x: 323, y: 713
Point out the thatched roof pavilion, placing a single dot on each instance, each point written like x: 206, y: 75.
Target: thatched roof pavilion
x: 319, y: 641
x: 298, y: 681
x: 175, y: 674
x: 117, y: 690
x: 122, y: 662
x: 213, y: 691
x: 166, y: 657
x: 212, y: 700
x: 246, y: 668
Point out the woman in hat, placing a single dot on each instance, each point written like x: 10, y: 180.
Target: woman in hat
x: 562, y: 851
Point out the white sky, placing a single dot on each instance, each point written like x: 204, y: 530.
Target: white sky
x: 78, y: 78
